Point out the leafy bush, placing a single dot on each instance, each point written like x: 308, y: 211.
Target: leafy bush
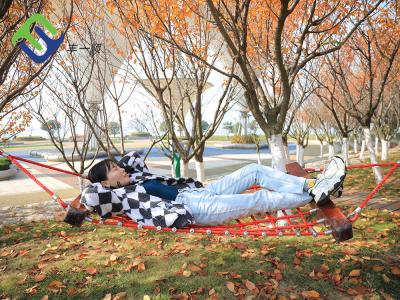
x: 243, y: 139
x: 30, y: 138
x: 4, y: 164
x: 133, y: 135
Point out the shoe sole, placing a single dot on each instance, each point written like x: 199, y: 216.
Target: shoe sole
x: 324, y: 198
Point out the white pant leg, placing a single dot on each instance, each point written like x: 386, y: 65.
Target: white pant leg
x: 211, y: 209
x: 267, y: 177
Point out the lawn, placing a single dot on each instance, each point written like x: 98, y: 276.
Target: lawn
x: 51, y: 260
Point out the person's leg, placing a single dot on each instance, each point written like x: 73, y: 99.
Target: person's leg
x: 267, y: 177
x: 211, y: 209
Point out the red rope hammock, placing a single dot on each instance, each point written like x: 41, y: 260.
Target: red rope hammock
x: 298, y: 222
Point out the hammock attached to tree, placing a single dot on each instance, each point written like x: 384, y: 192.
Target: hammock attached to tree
x: 317, y: 221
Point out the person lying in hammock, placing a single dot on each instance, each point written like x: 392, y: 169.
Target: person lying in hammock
x: 129, y: 187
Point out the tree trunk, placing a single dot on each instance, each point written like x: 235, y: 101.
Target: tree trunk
x: 355, y: 146
x: 278, y: 152
x: 385, y: 149
x: 300, y: 154
x: 371, y: 150
x: 376, y: 147
x: 184, y: 168
x: 362, y: 149
x: 286, y: 147
x: 81, y: 183
x: 172, y: 170
x: 200, y: 176
x: 345, y: 150
x: 331, y: 150
x: 258, y: 154
x: 321, y: 149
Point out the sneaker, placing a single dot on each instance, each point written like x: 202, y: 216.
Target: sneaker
x: 330, y: 181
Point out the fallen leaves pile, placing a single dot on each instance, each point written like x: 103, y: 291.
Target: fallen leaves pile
x: 48, y: 260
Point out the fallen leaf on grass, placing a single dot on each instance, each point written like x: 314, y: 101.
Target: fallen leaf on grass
x: 186, y: 273
x: 91, y: 271
x: 378, y: 268
x: 231, y: 286
x: 194, y: 268
x: 310, y: 294
x: 55, y: 286
x: 141, y: 267
x: 23, y: 280
x: 386, y: 296
x: 32, y: 290
x: 324, y: 268
x: 395, y: 270
x: 107, y: 297
x: 385, y: 278
x: 355, y: 273
x: 23, y: 252
x: 249, y: 285
x: 39, y: 278
x: 113, y: 257
x: 350, y: 251
x: 119, y: 296
x: 72, y: 291
x: 45, y: 297
x: 146, y: 297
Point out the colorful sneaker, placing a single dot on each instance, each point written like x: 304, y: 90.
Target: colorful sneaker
x: 330, y: 181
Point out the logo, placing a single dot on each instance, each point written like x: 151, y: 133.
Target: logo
x: 24, y: 33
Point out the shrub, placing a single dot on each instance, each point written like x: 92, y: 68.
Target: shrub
x: 30, y: 138
x: 133, y: 135
x: 4, y: 164
x: 243, y: 139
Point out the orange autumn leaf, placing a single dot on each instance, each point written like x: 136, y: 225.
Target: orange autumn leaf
x: 91, y: 271
x: 249, y: 285
x: 395, y: 270
x: 39, y: 278
x: 141, y: 267
x: 310, y: 294
x: 231, y: 286
x: 355, y: 273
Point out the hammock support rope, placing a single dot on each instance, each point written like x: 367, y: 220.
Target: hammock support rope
x: 317, y: 221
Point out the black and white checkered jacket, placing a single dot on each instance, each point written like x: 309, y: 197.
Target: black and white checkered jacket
x: 135, y: 202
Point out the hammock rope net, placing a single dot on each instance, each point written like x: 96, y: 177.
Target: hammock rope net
x: 294, y: 222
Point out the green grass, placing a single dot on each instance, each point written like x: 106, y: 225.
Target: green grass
x: 66, y: 253
x: 364, y: 180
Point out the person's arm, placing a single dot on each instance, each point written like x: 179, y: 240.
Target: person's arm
x: 133, y: 163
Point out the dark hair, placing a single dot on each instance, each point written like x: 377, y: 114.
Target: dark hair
x: 99, y: 171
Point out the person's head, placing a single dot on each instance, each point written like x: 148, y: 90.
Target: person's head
x: 109, y: 174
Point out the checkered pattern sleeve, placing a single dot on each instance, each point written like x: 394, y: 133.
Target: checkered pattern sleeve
x: 132, y: 162
x: 101, y: 200
x: 137, y: 204
x: 135, y: 166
